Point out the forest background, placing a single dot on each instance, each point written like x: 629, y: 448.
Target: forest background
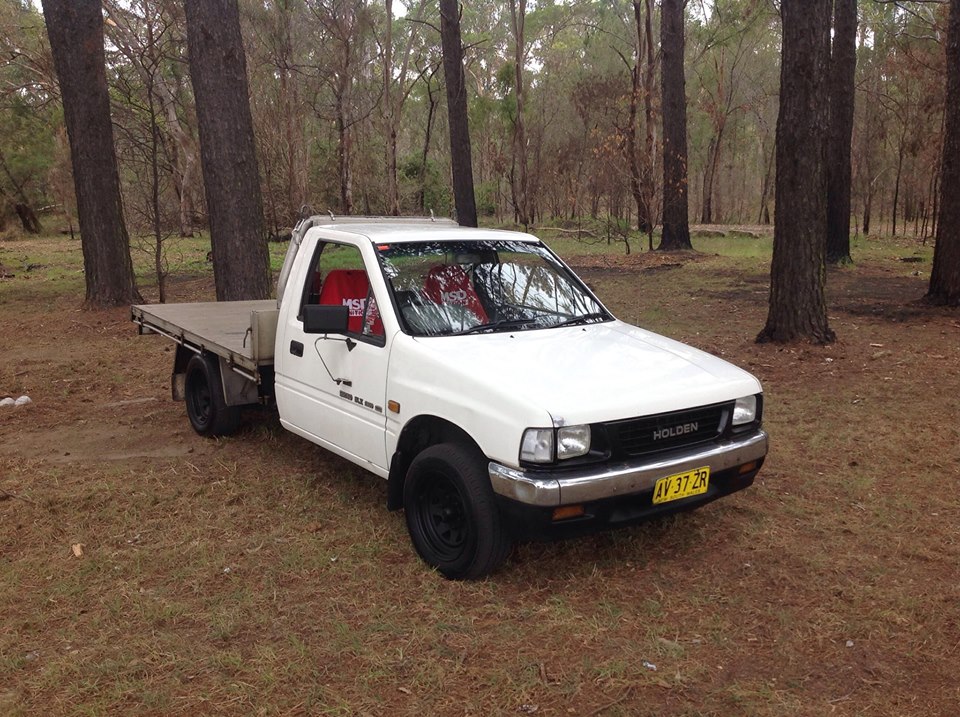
x: 327, y: 98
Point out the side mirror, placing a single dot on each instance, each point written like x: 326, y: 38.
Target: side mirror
x: 325, y: 319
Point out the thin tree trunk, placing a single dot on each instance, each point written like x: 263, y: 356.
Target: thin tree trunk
x: 676, y: 222
x: 633, y: 155
x: 518, y: 13
x: 344, y: 142
x: 75, y: 29
x: 649, y: 120
x: 945, y: 277
x: 797, y: 275
x: 709, y: 175
x: 867, y: 207
x: 428, y: 132
x: 390, y: 127
x: 764, y: 217
x: 896, y: 186
x: 28, y: 218
x: 461, y: 161
x: 218, y: 72
x: 639, y: 166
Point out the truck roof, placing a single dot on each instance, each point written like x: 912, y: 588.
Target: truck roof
x: 397, y: 229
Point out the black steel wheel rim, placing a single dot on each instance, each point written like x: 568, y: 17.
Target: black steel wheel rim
x: 442, y: 517
x: 200, y: 400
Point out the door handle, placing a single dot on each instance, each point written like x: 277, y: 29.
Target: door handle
x: 296, y: 348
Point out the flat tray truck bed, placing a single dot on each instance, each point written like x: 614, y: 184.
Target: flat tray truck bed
x: 242, y: 332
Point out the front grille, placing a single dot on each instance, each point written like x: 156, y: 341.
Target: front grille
x: 664, y: 431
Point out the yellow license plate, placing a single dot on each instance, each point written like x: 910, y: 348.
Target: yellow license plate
x: 681, y: 485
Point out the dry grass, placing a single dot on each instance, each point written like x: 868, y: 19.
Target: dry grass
x: 261, y: 575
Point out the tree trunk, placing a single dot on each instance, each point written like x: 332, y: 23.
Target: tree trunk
x: 945, y: 278
x: 639, y: 168
x: 389, y: 123
x: 28, y: 218
x: 518, y: 14
x: 344, y: 146
x: 460, y: 158
x: 633, y: 155
x: 218, y: 72
x: 75, y: 29
x: 676, y: 222
x: 797, y: 274
x: 843, y: 66
x: 710, y: 174
x: 428, y: 132
x: 650, y: 139
x: 896, y: 184
x: 764, y: 217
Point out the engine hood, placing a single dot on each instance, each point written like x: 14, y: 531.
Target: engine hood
x: 588, y: 374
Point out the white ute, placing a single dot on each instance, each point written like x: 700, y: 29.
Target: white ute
x: 479, y: 375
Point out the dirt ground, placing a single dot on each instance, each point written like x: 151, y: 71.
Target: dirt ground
x: 146, y: 570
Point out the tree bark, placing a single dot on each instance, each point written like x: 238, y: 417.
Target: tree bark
x: 843, y: 66
x: 945, y: 278
x: 797, y: 275
x: 232, y: 181
x: 460, y: 158
x: 75, y: 29
x: 676, y: 222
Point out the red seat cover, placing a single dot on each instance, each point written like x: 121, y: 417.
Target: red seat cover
x: 347, y: 287
x: 448, y: 284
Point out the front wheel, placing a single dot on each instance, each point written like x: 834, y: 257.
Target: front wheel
x: 207, y: 410
x: 452, y: 514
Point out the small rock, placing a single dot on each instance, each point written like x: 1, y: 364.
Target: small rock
x: 849, y: 643
x: 226, y: 570
x: 7, y: 402
x: 23, y: 401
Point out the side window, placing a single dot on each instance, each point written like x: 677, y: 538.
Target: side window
x: 338, y: 278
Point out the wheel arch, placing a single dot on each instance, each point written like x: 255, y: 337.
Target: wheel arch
x: 419, y: 433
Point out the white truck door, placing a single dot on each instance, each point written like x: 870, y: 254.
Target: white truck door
x: 332, y: 389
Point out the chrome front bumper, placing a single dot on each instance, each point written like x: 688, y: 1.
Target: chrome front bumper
x: 608, y: 481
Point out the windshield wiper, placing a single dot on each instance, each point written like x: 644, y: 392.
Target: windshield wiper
x: 585, y: 319
x: 494, y: 325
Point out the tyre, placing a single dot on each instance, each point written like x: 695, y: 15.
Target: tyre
x: 208, y: 412
x: 452, y: 514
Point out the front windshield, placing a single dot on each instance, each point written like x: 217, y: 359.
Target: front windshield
x: 444, y: 288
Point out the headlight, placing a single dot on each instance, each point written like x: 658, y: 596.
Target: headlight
x: 573, y: 441
x: 537, y: 445
x: 745, y: 410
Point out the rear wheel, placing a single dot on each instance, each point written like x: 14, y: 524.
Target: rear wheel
x: 452, y: 513
x: 208, y: 411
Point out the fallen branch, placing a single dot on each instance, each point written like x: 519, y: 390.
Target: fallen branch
x: 7, y: 495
